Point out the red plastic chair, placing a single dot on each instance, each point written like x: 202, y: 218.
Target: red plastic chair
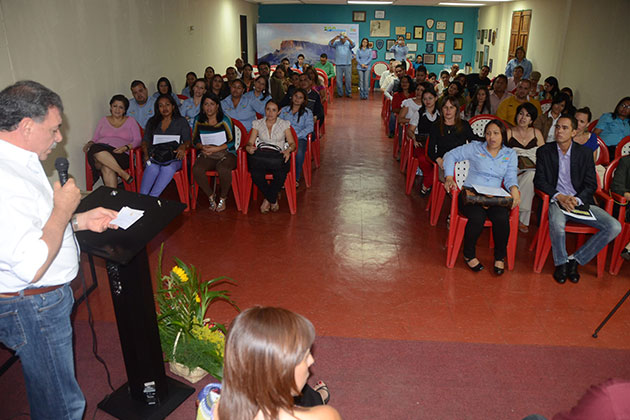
x: 543, y: 241
x: 182, y: 97
x: 397, y: 131
x: 405, y: 147
x: 592, y: 125
x: 323, y: 78
x: 545, y: 105
x: 623, y: 148
x: 624, y: 237
x: 458, y: 223
x: 180, y: 177
x: 603, y: 157
x: 316, y: 143
x: 478, y: 123
x: 412, y: 168
x: 289, y: 183
x: 375, y: 73
x: 387, y: 108
x: 240, y: 133
x: 134, y: 186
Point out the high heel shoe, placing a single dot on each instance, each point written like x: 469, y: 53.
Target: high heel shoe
x: 476, y: 268
x: 499, y: 270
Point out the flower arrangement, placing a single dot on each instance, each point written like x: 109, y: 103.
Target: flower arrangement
x: 188, y: 338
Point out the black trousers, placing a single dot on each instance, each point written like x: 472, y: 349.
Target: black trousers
x: 270, y: 189
x: 476, y: 215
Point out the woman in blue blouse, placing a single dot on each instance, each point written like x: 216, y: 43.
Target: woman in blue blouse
x: 614, y: 126
x: 492, y: 164
x: 191, y: 77
x: 190, y: 107
x: 301, y: 119
x: 364, y: 58
x: 164, y: 87
x: 258, y: 96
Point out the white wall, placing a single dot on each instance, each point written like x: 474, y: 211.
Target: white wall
x: 584, y: 44
x: 89, y: 50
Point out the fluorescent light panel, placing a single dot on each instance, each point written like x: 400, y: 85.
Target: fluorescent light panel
x: 369, y: 2
x: 462, y: 4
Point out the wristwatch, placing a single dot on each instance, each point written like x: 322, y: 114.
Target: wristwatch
x: 75, y: 223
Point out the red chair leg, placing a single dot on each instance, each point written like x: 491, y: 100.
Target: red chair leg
x: 182, y: 190
x: 544, y: 252
x: 622, y: 239
x: 512, y: 239
x: 404, y: 154
x: 436, y: 206
x: 307, y: 167
x: 411, y: 176
x: 453, y: 249
x: 316, y: 153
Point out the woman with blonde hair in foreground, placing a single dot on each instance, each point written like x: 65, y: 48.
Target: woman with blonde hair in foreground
x: 267, y: 357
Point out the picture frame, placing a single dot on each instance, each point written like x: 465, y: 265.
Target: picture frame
x: 441, y: 46
x: 458, y: 27
x: 430, y: 23
x: 440, y: 36
x: 490, y: 63
x: 428, y: 48
x: 379, y: 14
x: 428, y: 58
x: 370, y: 44
x: 486, y: 54
x: 390, y: 44
x: 401, y: 30
x: 458, y: 44
x: 441, y: 58
x: 440, y: 25
x: 411, y: 57
x: 412, y: 47
x: 489, y: 35
x: 478, y: 34
x: 389, y: 55
x: 374, y: 55
x: 494, y: 37
x: 379, y: 44
x: 379, y: 28
x: 358, y: 15
x: 408, y: 35
x: 418, y: 32
x: 429, y: 36
x: 484, y: 33
x: 456, y: 58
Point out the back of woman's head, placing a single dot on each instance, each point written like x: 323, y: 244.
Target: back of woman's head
x: 263, y: 347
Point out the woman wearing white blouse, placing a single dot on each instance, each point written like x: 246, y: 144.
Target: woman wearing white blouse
x: 274, y: 131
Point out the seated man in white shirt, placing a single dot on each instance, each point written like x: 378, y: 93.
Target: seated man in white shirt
x: 391, y: 87
x: 387, y: 75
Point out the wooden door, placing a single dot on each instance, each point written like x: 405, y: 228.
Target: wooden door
x: 519, y: 34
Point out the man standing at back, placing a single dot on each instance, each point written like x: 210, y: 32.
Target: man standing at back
x: 343, y: 60
x: 141, y: 106
x: 39, y: 256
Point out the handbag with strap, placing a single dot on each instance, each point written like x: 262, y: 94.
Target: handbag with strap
x: 266, y: 156
x: 470, y: 197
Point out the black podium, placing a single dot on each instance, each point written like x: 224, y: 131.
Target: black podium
x: 149, y: 393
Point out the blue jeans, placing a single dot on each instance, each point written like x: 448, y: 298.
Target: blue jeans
x: 38, y: 329
x: 344, y: 71
x: 608, y: 227
x: 364, y: 83
x: 299, y: 157
x: 157, y: 177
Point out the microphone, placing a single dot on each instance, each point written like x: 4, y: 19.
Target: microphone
x: 61, y: 164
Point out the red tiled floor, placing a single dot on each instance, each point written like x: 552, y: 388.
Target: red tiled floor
x: 360, y: 259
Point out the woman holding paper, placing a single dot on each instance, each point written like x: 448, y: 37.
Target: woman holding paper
x: 214, y: 144
x: 166, y: 138
x: 491, y: 165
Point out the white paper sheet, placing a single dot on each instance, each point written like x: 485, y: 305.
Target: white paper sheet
x: 127, y: 217
x: 163, y: 138
x: 496, y: 192
x: 213, y: 139
x: 581, y: 215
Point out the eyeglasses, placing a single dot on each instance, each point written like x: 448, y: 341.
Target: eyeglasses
x: 624, y: 105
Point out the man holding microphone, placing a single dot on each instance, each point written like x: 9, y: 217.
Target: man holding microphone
x: 39, y: 256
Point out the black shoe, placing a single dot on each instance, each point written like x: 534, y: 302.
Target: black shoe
x: 498, y: 270
x: 625, y: 254
x: 572, y: 271
x: 560, y: 273
x: 476, y: 268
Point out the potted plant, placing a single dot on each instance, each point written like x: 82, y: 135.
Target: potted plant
x: 192, y: 343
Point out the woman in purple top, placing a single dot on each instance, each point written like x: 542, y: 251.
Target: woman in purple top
x: 114, y: 137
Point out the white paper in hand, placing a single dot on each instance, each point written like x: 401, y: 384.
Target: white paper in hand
x: 127, y: 217
x: 213, y: 139
x: 492, y: 191
x: 163, y: 138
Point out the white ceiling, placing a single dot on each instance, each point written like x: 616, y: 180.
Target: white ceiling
x: 396, y: 2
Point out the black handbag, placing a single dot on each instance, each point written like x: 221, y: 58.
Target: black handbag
x: 471, y: 197
x: 163, y: 153
x: 266, y: 159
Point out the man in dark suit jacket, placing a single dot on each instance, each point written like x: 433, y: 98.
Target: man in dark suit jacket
x: 566, y: 172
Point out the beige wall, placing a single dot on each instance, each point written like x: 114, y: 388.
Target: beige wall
x: 583, y: 44
x: 88, y: 50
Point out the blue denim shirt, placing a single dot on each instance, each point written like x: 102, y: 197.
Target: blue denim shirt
x: 189, y: 110
x: 258, y: 103
x: 364, y: 56
x: 244, y: 111
x: 141, y: 113
x: 343, y: 51
x: 613, y: 129
x: 526, y: 64
x: 400, y: 52
x: 484, y: 169
x: 304, y: 126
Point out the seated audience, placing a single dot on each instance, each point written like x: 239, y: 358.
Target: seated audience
x: 583, y: 136
x: 208, y: 74
x: 221, y: 158
x: 492, y: 164
x: 461, y: 79
x: 419, y: 128
x: 394, y: 82
x: 191, y: 77
x: 278, y: 85
x: 566, y: 172
x: 231, y: 75
x: 388, y: 75
x: 456, y: 90
x: 536, y: 90
x: 432, y: 78
x: 410, y: 106
x: 550, y: 88
x: 318, y: 84
x: 239, y: 64
x: 164, y: 88
x: 325, y: 65
x: 507, y: 108
x: 141, y: 106
x: 525, y: 139
x: 258, y: 96
x: 247, y: 77
x: 301, y: 119
x: 480, y: 104
x: 418, y: 62
x: 517, y: 76
x: 614, y: 126
x: 405, y: 91
x: 569, y: 108
x: 219, y: 87
x: 239, y: 107
x: 444, y: 82
x: 115, y: 136
x: 453, y: 74
x: 163, y: 159
x: 421, y: 75
x: 621, y: 185
x: 475, y: 80
x: 519, y: 60
x: 190, y: 107
x: 270, y: 155
x: 499, y: 92
x: 546, y: 122
x: 313, y: 100
x: 299, y: 64
x: 267, y: 360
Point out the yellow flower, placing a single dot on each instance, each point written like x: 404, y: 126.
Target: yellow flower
x: 180, y: 273
x: 197, y: 298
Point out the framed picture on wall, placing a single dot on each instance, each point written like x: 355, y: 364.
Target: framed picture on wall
x: 418, y: 32
x: 429, y: 37
x: 370, y: 44
x: 411, y: 57
x: 458, y: 43
x: 441, y: 58
x: 408, y: 35
x: 490, y: 63
x: 358, y: 16
x: 401, y: 30
x: 380, y: 44
x: 440, y: 47
x: 440, y: 36
x: 428, y: 58
x: 379, y: 14
x: 478, y: 34
x: 486, y: 53
x: 484, y: 33
x: 494, y: 37
x: 458, y: 28
x: 440, y: 25
x: 412, y: 47
x: 456, y: 58
x: 489, y: 35
x: 374, y: 55
x: 379, y: 28
x: 390, y: 44
x: 389, y: 55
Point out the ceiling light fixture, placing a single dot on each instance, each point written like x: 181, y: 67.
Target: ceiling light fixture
x: 368, y: 2
x: 462, y: 4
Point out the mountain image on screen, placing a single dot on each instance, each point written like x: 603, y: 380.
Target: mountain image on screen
x: 290, y: 49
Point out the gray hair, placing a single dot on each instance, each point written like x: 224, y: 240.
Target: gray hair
x: 26, y: 99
